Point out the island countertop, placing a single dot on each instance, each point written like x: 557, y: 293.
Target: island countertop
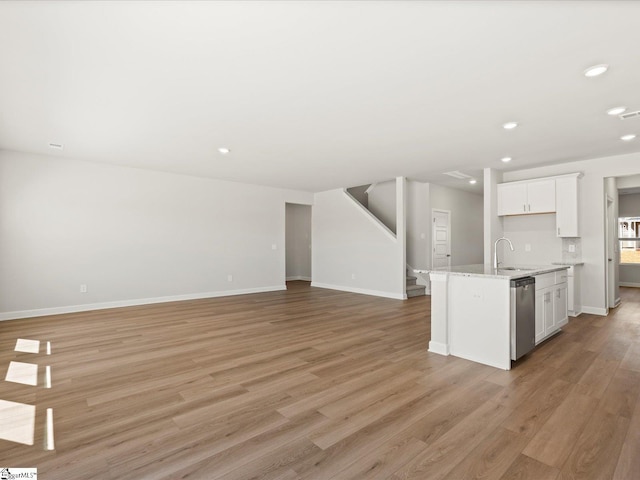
x: 510, y: 272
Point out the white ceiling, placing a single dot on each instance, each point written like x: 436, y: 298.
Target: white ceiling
x: 318, y: 95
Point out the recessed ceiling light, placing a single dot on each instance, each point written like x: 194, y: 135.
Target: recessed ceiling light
x: 628, y: 138
x: 510, y: 125
x: 506, y: 159
x: 616, y: 111
x: 473, y: 181
x: 596, y: 70
x: 56, y: 146
x: 224, y: 150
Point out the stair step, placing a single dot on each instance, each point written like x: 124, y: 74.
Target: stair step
x: 416, y: 290
x: 411, y: 280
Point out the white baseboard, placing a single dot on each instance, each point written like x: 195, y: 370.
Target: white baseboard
x: 364, y: 291
x: 439, y: 348
x: 595, y: 311
x: 630, y: 284
x: 41, y: 312
x: 298, y: 277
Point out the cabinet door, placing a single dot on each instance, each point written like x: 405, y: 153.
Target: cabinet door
x: 567, y: 207
x: 560, y: 316
x: 541, y: 196
x: 539, y: 315
x: 547, y: 309
x: 512, y: 198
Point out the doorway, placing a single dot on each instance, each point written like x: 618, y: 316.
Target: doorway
x: 441, y: 238
x: 298, y: 242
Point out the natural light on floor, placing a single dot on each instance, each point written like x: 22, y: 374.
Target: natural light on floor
x: 17, y: 420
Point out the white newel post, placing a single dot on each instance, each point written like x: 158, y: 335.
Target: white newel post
x: 439, y: 313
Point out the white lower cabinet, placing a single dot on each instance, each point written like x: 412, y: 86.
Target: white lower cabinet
x: 560, y: 313
x: 551, y: 304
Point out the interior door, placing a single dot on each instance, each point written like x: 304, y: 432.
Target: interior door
x: 441, y: 241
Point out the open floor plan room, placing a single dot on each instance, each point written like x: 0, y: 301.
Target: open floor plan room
x: 311, y: 383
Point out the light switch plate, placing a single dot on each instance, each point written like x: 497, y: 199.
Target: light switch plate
x: 527, y: 247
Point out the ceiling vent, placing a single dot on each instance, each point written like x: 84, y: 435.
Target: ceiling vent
x: 458, y: 175
x: 625, y: 116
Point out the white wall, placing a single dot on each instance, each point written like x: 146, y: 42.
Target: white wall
x: 466, y: 222
x: 382, y: 203
x: 298, y: 241
x: 591, y: 215
x: 132, y: 236
x: 352, y: 251
x: 629, y: 206
x: 492, y: 223
x: 418, y: 226
x: 536, y: 231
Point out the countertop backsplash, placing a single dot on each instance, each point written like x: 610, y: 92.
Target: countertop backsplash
x: 535, y: 242
x: 567, y: 254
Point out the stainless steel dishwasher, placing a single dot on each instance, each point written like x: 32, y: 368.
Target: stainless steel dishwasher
x: 523, y: 316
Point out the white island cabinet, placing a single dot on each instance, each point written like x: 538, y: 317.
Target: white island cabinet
x: 471, y: 310
x: 551, y: 304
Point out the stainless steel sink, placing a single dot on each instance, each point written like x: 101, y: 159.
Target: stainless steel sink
x: 516, y: 269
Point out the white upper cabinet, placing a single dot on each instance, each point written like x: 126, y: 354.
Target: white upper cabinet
x: 512, y: 198
x: 567, y: 206
x: 544, y: 195
x: 522, y: 198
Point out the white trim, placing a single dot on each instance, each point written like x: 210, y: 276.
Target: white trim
x: 553, y: 177
x: 630, y: 284
x: 364, y: 291
x: 439, y: 348
x: 370, y: 188
x: 595, y: 311
x: 134, y: 302
x: 375, y: 220
x: 299, y: 277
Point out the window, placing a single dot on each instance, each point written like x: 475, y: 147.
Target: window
x: 629, y: 237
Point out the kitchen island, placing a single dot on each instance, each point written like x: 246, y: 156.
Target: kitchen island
x: 471, y: 309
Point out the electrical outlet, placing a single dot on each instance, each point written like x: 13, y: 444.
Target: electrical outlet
x: 353, y: 276
x: 572, y: 248
x: 274, y: 246
x: 229, y: 278
x: 527, y: 247
x: 83, y: 288
x: 423, y: 236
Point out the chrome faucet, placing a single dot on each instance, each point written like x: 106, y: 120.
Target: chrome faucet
x: 495, y: 251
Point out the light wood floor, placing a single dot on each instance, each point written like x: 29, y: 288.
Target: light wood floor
x: 318, y: 384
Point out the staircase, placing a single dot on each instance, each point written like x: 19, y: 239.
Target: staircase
x: 414, y: 290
